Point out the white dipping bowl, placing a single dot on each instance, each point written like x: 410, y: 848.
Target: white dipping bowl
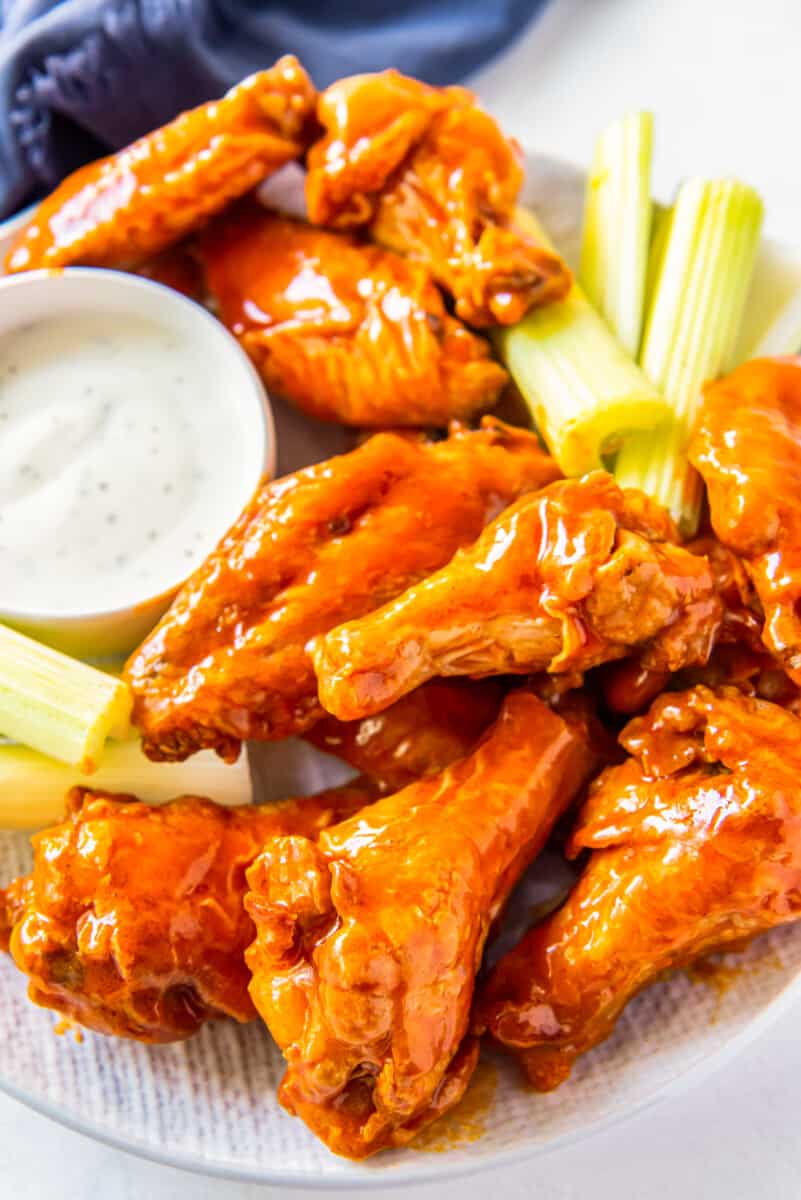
x: 239, y: 459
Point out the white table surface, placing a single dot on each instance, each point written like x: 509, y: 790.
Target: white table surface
x: 724, y: 80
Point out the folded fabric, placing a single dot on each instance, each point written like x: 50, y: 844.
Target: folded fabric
x: 81, y: 77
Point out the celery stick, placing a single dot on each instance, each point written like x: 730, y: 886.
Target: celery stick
x: 33, y: 786
x: 56, y: 704
x: 617, y: 226
x: 660, y: 231
x: 582, y: 390
x: 691, y: 330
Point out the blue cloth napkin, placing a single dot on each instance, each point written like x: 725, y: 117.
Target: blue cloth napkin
x: 81, y: 77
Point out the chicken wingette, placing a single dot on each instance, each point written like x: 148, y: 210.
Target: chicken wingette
x: 345, y: 330
x: 132, y: 921
x: 747, y: 447
x: 695, y: 845
x: 229, y: 661
x: 123, y: 210
x: 426, y: 172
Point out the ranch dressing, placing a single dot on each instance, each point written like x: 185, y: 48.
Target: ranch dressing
x: 114, y: 459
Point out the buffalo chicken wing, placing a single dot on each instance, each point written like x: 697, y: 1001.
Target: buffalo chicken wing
x: 229, y: 661
x: 747, y: 447
x: 565, y: 579
x: 430, y: 175
x: 738, y: 657
x: 368, y: 943
x: 122, y: 210
x: 418, y: 736
x: 348, y: 332
x: 133, y: 923
x: 695, y: 846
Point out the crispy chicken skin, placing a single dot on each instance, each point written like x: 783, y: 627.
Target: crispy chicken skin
x: 565, y: 579
x: 738, y: 656
x: 369, y: 942
x: 696, y: 845
x: 431, y: 175
x: 347, y: 331
x: 742, y: 616
x: 229, y: 661
x: 121, y: 210
x: 747, y: 447
x: 133, y: 923
x: 418, y: 736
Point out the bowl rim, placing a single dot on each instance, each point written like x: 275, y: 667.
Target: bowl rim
x: 225, y: 344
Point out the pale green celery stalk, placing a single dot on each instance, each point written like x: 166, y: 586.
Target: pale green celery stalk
x: 617, y: 226
x: 583, y: 391
x: 691, y: 331
x: 33, y: 786
x: 56, y: 704
x: 660, y: 231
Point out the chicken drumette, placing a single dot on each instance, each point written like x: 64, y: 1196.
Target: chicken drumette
x: 229, y: 661
x: 348, y: 332
x: 747, y: 447
x: 696, y: 846
x: 567, y: 578
x: 122, y: 210
x: 369, y: 942
x: 427, y: 173
x: 132, y: 922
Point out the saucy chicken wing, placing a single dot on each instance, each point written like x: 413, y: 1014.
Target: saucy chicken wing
x: 12, y: 905
x: 696, y: 846
x: 229, y: 661
x: 565, y: 579
x: 418, y: 736
x: 368, y: 944
x: 177, y: 267
x: 348, y: 332
x: 747, y: 447
x: 738, y: 656
x: 429, y: 174
x: 126, y: 208
x: 133, y: 923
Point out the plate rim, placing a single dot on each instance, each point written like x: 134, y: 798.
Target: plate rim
x: 360, y: 1176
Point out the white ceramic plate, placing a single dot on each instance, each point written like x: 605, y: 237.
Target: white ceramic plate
x: 209, y: 1104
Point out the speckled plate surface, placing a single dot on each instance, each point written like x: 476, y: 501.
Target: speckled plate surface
x: 209, y: 1104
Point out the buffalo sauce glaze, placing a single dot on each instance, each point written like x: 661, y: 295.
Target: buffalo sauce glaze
x: 371, y: 939
x: 747, y: 447
x: 121, y: 210
x: 229, y: 660
x: 433, y: 177
x: 132, y: 922
x: 575, y: 575
x: 695, y: 845
x: 347, y: 331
